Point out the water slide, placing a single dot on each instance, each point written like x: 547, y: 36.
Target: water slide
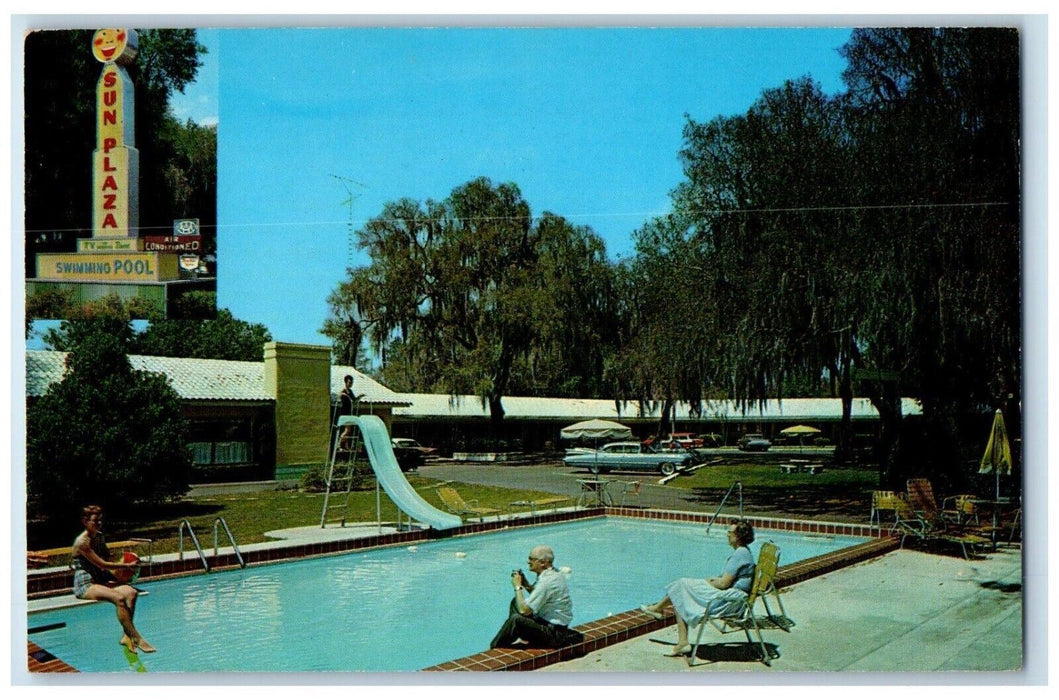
x: 388, y: 472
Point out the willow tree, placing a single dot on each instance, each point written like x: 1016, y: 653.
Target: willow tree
x: 670, y: 346
x: 760, y: 195
x: 471, y: 296
x: 935, y: 115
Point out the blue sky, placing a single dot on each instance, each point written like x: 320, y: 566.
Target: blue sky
x: 587, y: 122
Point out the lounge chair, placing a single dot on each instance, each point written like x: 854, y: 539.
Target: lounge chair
x: 764, y: 585
x: 921, y: 497
x: 538, y: 503
x: 911, y: 524
x: 456, y: 505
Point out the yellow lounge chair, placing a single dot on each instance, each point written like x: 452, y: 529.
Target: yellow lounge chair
x: 539, y: 503
x: 456, y: 505
x: 768, y: 560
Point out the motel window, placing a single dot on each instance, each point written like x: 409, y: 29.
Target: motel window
x: 207, y: 453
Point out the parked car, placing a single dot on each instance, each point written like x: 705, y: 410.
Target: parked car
x: 684, y: 440
x: 410, y: 444
x: 754, y: 442
x: 629, y: 456
x: 711, y: 440
x: 409, y: 453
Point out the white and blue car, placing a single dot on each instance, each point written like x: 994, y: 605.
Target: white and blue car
x: 628, y: 456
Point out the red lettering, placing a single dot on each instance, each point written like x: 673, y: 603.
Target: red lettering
x: 110, y: 98
x: 110, y: 116
x: 109, y: 143
x: 110, y: 183
x: 108, y: 201
x: 109, y: 222
x: 110, y: 79
x: 107, y: 167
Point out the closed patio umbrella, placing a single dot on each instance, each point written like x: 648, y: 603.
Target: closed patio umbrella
x: 997, y: 457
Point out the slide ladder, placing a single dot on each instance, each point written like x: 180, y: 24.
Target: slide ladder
x: 376, y: 442
x: 341, y: 474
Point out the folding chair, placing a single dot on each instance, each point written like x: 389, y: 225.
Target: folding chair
x: 883, y: 501
x: 764, y: 585
x: 631, y: 489
x: 960, y: 509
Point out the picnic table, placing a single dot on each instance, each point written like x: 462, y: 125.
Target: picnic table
x: 807, y: 468
x: 595, y: 492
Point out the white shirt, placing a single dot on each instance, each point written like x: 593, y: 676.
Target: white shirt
x: 550, y: 598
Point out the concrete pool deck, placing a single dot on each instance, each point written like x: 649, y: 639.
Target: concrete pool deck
x: 906, y: 611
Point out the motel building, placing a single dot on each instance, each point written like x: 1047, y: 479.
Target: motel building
x: 270, y: 420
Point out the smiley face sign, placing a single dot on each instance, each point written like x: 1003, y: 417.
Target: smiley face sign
x: 115, y: 45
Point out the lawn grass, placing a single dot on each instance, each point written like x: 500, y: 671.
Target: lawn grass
x: 770, y: 476
x: 251, y: 515
x: 836, y: 494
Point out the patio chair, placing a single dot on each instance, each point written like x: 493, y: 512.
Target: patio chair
x: 764, y: 585
x: 883, y: 502
x: 455, y: 504
x: 921, y: 497
x: 540, y: 503
x: 911, y: 524
x: 631, y: 489
x: 960, y: 509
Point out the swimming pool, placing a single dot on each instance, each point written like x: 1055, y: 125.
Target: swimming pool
x: 393, y: 609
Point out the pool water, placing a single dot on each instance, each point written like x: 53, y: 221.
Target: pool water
x: 393, y: 609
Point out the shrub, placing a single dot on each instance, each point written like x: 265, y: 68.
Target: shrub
x: 106, y: 433
x: 314, y: 480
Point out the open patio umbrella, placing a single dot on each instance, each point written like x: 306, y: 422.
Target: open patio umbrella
x: 801, y: 431
x: 596, y: 429
x: 997, y: 457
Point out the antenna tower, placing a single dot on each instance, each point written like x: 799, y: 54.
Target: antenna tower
x: 348, y: 184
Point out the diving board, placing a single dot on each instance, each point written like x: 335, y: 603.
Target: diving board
x: 388, y: 473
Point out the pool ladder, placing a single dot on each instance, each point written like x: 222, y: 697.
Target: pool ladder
x: 736, y: 486
x: 217, y: 524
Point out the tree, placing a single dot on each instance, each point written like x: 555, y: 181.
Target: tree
x: 935, y: 115
x: 60, y: 124
x: 106, y: 433
x: 738, y: 288
x: 222, y: 338
x: 876, y: 229
x: 464, y: 296
x: 670, y: 347
x: 574, y: 313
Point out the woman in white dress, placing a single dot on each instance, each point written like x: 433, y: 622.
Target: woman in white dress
x: 694, y: 598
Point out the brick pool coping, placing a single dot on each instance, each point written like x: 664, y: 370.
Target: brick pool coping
x: 597, y: 634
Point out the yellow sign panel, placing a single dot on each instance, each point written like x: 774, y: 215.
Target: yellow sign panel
x: 113, y: 206
x: 103, y: 267
x: 115, y: 166
x: 109, y: 245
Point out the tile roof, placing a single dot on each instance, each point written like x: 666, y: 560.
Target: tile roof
x: 229, y: 380
x: 205, y: 380
x: 531, y: 408
x: 363, y: 384
x: 193, y: 379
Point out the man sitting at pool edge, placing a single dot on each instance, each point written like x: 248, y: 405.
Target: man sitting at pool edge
x: 539, y: 612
